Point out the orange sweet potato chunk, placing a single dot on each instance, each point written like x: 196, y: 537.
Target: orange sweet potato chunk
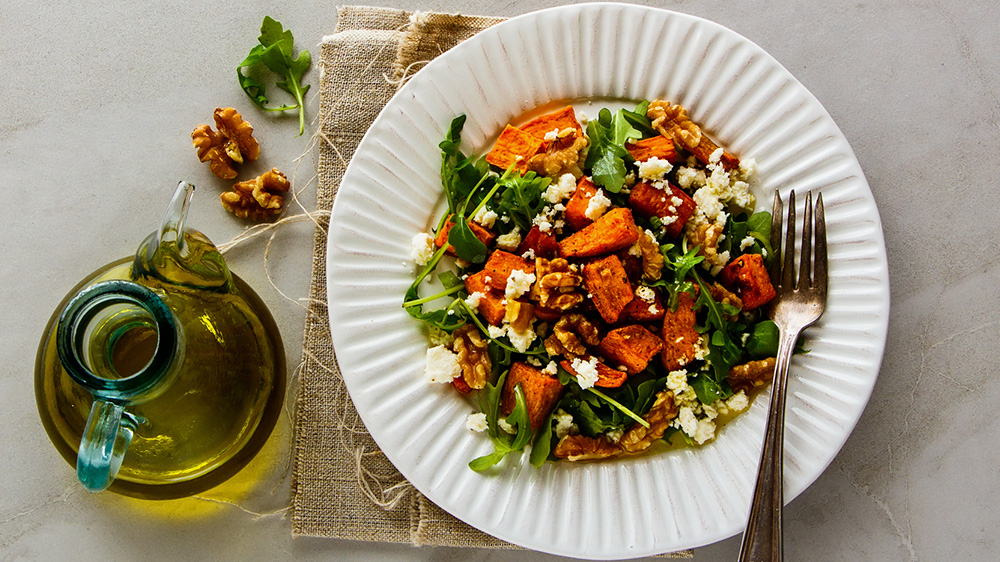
x: 514, y: 147
x: 613, y: 231
x: 649, y: 201
x: 576, y: 208
x: 641, y: 311
x: 501, y: 264
x: 747, y: 277
x: 484, y: 235
x: 679, y: 334
x: 631, y: 346
x: 541, y: 392
x: 564, y: 118
x: 658, y: 146
x: 606, y: 376
x: 543, y: 244
x: 491, y: 303
x: 608, y: 286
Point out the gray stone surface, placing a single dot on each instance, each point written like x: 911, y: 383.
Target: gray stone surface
x: 97, y: 105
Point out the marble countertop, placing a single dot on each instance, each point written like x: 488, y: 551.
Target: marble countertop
x: 98, y: 105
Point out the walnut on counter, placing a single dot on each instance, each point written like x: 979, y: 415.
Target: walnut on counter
x: 257, y: 199
x: 233, y: 143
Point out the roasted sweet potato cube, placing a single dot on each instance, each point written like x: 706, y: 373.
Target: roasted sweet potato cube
x: 491, y: 303
x: 658, y: 146
x: 747, y: 277
x: 641, y: 311
x: 608, y: 286
x: 606, y: 376
x: 576, y: 208
x: 501, y: 264
x: 564, y: 118
x: 514, y: 147
x: 482, y: 233
x: 613, y: 231
x: 543, y: 244
x: 632, y: 265
x: 671, y: 205
x: 631, y: 347
x: 680, y: 338
x: 541, y: 392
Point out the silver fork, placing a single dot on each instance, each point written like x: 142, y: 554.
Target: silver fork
x: 796, y: 306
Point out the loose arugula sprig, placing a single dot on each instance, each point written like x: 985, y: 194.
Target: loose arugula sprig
x: 275, y: 51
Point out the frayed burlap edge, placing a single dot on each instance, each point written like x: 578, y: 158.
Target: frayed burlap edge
x: 343, y: 486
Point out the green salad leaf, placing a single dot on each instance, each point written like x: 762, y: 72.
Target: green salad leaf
x: 607, y: 156
x: 274, y: 50
x: 521, y: 198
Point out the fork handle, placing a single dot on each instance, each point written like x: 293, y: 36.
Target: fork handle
x: 762, y: 538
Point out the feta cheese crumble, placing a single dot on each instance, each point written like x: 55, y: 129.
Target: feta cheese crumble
x: 509, y: 241
x: 518, y: 283
x: 645, y: 294
x: 560, y: 190
x: 422, y: 248
x: 486, y: 217
x: 586, y: 372
x: 476, y: 422
x: 654, y: 169
x: 597, y: 205
x: 442, y: 365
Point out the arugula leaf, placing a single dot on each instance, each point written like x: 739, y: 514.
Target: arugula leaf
x: 542, y: 447
x: 449, y: 318
x: 607, y: 155
x: 502, y: 444
x: 521, y: 198
x: 708, y: 390
x: 763, y: 341
x: 275, y: 52
x: 637, y: 118
x: 757, y: 226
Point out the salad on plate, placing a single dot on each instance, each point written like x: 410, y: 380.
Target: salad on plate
x: 597, y: 284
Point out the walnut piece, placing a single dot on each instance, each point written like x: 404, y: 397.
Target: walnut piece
x: 257, y: 199
x: 637, y: 439
x: 672, y: 121
x: 473, y: 356
x: 652, y: 259
x: 583, y: 448
x: 707, y: 236
x: 567, y: 334
x: 232, y: 143
x: 561, y: 157
x: 557, y: 286
x: 750, y: 375
x: 722, y: 295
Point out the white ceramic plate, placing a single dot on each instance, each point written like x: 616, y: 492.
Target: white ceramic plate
x: 748, y: 103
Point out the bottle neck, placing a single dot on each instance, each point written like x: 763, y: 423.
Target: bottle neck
x: 118, y: 340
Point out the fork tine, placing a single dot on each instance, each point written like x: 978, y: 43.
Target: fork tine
x: 788, y: 251
x: 805, y: 255
x: 774, y: 271
x: 819, y: 280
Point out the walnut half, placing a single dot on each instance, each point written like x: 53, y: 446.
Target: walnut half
x: 473, y: 356
x: 257, y: 199
x: 233, y: 143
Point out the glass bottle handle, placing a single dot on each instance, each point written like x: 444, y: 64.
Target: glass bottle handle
x: 107, y: 435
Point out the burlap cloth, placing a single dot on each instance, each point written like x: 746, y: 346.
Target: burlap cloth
x: 343, y: 486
